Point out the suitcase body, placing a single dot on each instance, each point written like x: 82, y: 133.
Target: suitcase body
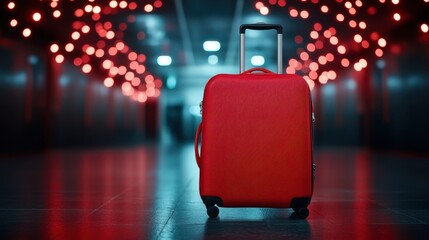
x: 256, y: 142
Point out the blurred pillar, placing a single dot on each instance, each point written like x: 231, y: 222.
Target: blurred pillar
x: 152, y: 120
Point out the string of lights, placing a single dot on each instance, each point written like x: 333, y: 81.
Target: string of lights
x: 340, y: 39
x: 88, y: 22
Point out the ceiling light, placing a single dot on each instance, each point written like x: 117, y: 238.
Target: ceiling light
x: 257, y: 60
x: 211, y: 46
x: 164, y: 60
x: 213, y: 59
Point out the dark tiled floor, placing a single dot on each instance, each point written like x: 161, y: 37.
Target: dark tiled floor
x: 151, y: 192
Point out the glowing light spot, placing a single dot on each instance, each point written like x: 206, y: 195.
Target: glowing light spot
x: 357, y: 67
x: 56, y: 14
x: 78, y: 12
x: 323, y: 79
x: 327, y: 34
x: 110, y: 35
x: 141, y: 69
x: 132, y: 56
x: 157, y: 4
x: 59, y: 58
x: 397, y: 16
x: 395, y: 2
x: 77, y: 62
x: 37, y: 16
x: 313, y: 66
x: 348, y: 4
x: 358, y: 3
x: 322, y: 60
x: 126, y: 87
x: 86, y: 29
x: 363, y: 63
x: 123, y: 4
x: 345, y: 62
x: 314, y: 34
x: 99, y: 53
x: 148, y: 8
x: 424, y: 27
x: 352, y: 11
x: 382, y: 42
x: 88, y: 8
x: 341, y: 49
x: 54, y: 48
x: 290, y: 70
x: 330, y: 57
x: 365, y: 44
x: 311, y: 47
x: 319, y: 44
x: 362, y: 25
x: 113, y: 71
x: 11, y: 5
x: 304, y: 56
x: 96, y: 9
x: 75, y: 35
x: 13, y: 23
x: 86, y: 68
x: 108, y: 82
x: 122, y: 70
x: 113, y: 51
x: 90, y: 50
x: 141, y: 58
x: 304, y: 14
x: 333, y: 40
x: 340, y: 17
x: 107, y: 64
x: 352, y: 23
x: 264, y: 11
x: 259, y: 5
x: 54, y: 4
x: 379, y: 52
x: 141, y: 97
x: 26, y: 32
x: 129, y: 76
x: 136, y: 81
x: 358, y: 38
x: 317, y: 26
x: 149, y: 78
x: 113, y: 4
x: 374, y: 36
x: 332, y: 75
x: 324, y: 9
x: 293, y: 12
x: 313, y: 75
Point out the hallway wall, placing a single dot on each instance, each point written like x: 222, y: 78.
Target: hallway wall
x: 45, y: 104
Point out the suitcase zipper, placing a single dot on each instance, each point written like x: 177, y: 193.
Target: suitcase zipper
x: 201, y: 108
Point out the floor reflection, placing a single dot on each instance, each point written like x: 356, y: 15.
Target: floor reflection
x: 151, y: 192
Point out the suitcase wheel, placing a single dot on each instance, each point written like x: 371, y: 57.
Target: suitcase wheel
x: 212, y: 211
x: 301, y: 213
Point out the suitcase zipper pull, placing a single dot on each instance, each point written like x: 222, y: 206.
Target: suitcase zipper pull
x: 201, y: 108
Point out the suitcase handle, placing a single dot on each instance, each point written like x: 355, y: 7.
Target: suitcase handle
x: 257, y: 69
x: 197, y: 154
x: 262, y: 26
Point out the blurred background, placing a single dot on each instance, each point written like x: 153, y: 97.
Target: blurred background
x: 105, y: 72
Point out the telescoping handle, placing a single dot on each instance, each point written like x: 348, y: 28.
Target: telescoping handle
x: 262, y: 26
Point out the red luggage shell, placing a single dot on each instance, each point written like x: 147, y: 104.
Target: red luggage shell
x: 256, y: 147
x: 256, y: 139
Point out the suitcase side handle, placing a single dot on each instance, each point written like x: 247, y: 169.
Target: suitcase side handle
x: 262, y: 26
x: 197, y: 135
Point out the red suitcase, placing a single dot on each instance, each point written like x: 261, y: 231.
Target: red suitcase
x: 256, y: 138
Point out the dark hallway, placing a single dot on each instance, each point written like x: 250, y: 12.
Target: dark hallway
x: 99, y: 104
